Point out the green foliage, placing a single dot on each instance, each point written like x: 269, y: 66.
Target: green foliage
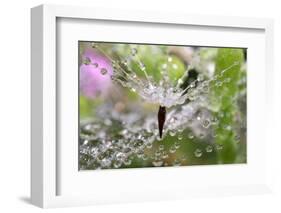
x: 87, y: 106
x: 223, y: 98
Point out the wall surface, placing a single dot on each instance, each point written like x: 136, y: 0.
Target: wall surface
x: 15, y: 104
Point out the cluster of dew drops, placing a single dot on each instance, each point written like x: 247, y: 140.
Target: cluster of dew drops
x: 115, y: 139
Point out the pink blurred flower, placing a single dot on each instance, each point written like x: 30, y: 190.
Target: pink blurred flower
x: 95, y: 72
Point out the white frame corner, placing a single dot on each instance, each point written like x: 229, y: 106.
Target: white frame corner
x: 43, y: 84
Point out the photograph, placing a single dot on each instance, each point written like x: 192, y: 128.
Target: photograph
x: 159, y: 105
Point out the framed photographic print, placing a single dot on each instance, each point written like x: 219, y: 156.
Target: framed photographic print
x: 132, y: 106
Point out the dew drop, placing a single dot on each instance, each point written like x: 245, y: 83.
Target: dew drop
x: 149, y: 145
x: 175, y: 66
x: 190, y: 136
x: 120, y: 156
x: 172, y: 149
x: 107, y: 122
x: 214, y: 120
x: 164, y: 66
x: 218, y: 84
x: 176, y: 163
x: 237, y: 138
x: 157, y: 153
x: 201, y: 135
x: 227, y: 80
x: 192, y: 85
x: 209, y: 148
x: 127, y: 162
x: 157, y: 163
x: 200, y: 77
x: 144, y: 156
x: 142, y: 66
x: 219, y: 146
x: 214, y: 134
x: 170, y: 59
x: 165, y: 155
x: 103, y: 71
x: 125, y: 62
x: 117, y: 164
x: 177, y: 145
x: 95, y: 65
x: 206, y: 123
x: 180, y: 81
x: 87, y: 61
x: 85, y: 142
x: 94, y: 45
x: 161, y: 147
x: 180, y: 129
x: 172, y: 132
x: 198, y: 153
x: 134, y: 51
x: 180, y: 136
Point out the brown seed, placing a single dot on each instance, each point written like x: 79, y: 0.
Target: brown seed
x: 161, y: 119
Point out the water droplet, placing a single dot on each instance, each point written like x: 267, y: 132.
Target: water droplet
x: 192, y: 85
x: 201, y: 135
x: 214, y: 134
x: 87, y: 61
x: 177, y: 145
x: 149, y: 145
x: 95, y: 65
x: 176, y: 162
x: 205, y: 87
x: 117, y: 164
x: 206, y: 123
x: 227, y: 80
x: 142, y: 66
x: 198, y: 153
x: 161, y: 147
x: 157, y: 153
x: 133, y: 75
x: 175, y: 66
x: 209, y: 148
x: 120, y: 156
x: 103, y: 71
x: 94, y: 45
x: 157, y: 163
x: 180, y: 129
x: 134, y: 51
x: 164, y: 66
x: 190, y: 136
x: 200, y: 77
x: 227, y: 127
x: 237, y: 138
x: 127, y: 162
x: 170, y: 59
x: 107, y: 122
x: 164, y: 155
x: 125, y: 62
x: 214, y: 120
x: 180, y: 136
x: 180, y: 81
x: 218, y: 84
x: 172, y: 149
x: 144, y: 156
x: 172, y: 132
x: 219, y: 146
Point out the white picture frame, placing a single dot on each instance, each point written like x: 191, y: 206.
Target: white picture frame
x: 46, y: 165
